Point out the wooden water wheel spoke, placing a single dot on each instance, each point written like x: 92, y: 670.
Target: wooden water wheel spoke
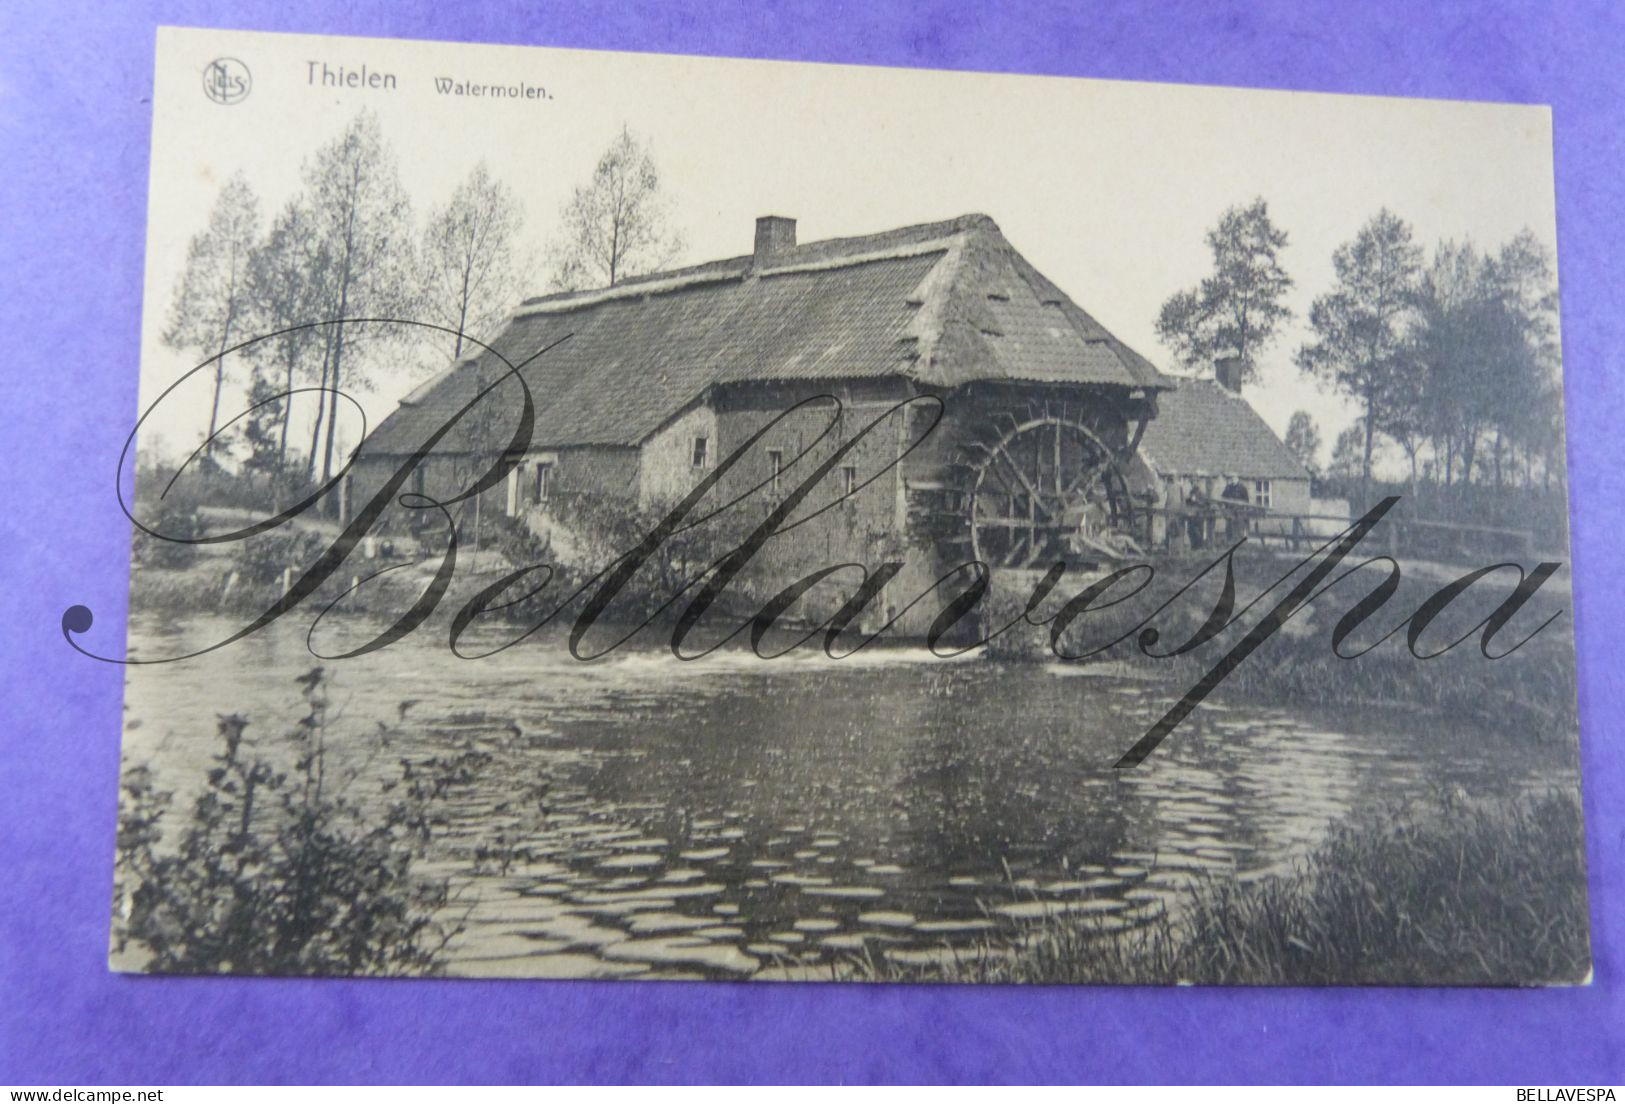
x: 1044, y: 490
x: 1034, y: 495
x: 1085, y: 482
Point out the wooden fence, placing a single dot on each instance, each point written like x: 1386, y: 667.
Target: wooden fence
x: 1396, y: 536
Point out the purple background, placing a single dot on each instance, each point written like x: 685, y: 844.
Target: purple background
x: 74, y: 124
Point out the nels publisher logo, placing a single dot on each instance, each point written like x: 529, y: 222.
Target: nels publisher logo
x: 226, y: 81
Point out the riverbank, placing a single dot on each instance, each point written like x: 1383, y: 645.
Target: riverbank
x: 1458, y: 894
x: 1528, y: 694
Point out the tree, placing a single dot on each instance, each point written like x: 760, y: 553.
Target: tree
x: 1525, y: 369
x: 1349, y: 460
x: 468, y: 258
x: 1485, y: 343
x: 287, y: 291
x: 1447, y: 348
x: 362, y: 222
x: 617, y: 225
x: 207, y: 311
x: 1303, y: 440
x: 266, y: 407
x: 1360, y: 325
x: 1409, y: 411
x: 1239, y: 309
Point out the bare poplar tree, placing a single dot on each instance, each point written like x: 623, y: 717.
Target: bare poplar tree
x: 1238, y: 310
x: 207, y: 312
x: 469, y: 260
x: 363, y: 222
x: 617, y: 225
x: 287, y: 291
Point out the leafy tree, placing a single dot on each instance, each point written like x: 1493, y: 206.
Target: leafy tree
x: 1303, y: 440
x: 1239, y: 309
x: 1447, y: 347
x: 1409, y: 413
x: 617, y: 225
x: 208, y: 307
x: 468, y: 258
x: 1525, y: 379
x: 1485, y: 347
x: 1360, y: 326
x: 1349, y: 463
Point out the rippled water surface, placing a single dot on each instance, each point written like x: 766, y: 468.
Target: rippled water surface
x: 735, y: 817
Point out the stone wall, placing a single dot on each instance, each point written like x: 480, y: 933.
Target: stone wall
x: 869, y: 508
x: 666, y: 468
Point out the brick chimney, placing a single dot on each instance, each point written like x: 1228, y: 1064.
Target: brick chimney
x: 1227, y: 370
x: 775, y: 236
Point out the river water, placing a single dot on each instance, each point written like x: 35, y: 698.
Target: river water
x: 731, y: 817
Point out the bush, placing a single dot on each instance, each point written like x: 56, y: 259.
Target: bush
x: 277, y: 872
x: 177, y: 522
x: 1022, y: 640
x: 261, y: 558
x: 512, y: 539
x: 604, y: 528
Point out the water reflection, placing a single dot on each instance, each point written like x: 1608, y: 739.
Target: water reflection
x: 734, y: 817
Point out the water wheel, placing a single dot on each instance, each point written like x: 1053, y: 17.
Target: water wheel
x: 1038, y: 487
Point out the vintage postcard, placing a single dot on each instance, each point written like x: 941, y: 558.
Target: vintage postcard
x: 608, y: 515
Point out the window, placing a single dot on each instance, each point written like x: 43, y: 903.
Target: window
x: 539, y: 482
x: 1261, y: 493
x: 418, y: 480
x: 849, y: 480
x: 702, y: 451
x: 775, y: 460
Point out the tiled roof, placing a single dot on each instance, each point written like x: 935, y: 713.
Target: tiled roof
x: 942, y: 303
x: 1201, y: 428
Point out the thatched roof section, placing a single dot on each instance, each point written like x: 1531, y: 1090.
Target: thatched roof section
x: 1202, y: 428
x: 943, y: 304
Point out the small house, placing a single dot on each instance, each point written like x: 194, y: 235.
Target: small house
x: 1208, y: 451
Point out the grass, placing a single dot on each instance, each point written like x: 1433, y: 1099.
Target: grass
x: 1461, y: 895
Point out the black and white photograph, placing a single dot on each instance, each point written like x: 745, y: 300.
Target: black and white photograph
x: 608, y: 515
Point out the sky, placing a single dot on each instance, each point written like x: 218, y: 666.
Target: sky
x: 1108, y: 187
